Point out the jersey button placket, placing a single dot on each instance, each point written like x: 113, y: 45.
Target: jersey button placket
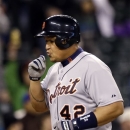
x: 61, y: 74
x: 55, y: 106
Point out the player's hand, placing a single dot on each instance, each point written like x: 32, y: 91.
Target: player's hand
x: 36, y: 68
x: 63, y: 125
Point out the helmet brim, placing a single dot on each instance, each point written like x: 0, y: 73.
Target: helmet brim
x: 42, y: 33
x: 54, y: 33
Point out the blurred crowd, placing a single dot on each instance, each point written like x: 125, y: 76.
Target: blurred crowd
x: 105, y: 32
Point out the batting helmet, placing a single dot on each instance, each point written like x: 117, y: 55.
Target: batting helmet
x: 64, y: 27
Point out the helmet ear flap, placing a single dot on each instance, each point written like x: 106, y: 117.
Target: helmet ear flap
x: 62, y: 43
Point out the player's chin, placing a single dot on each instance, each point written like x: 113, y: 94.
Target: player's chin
x: 52, y: 59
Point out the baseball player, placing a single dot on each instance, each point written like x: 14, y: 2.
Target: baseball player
x: 79, y: 89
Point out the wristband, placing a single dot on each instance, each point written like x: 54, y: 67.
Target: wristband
x: 34, y: 78
x: 85, y: 122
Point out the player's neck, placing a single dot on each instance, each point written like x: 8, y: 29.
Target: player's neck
x: 70, y: 51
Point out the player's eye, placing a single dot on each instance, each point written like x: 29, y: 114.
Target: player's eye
x: 47, y: 41
x: 51, y: 41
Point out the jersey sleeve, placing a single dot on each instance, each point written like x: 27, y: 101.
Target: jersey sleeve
x: 44, y: 82
x: 102, y: 88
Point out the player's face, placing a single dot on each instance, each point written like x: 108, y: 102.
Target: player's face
x: 54, y: 53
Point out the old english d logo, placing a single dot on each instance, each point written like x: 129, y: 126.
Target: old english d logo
x: 43, y: 25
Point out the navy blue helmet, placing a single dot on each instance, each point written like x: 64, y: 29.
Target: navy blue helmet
x: 65, y: 28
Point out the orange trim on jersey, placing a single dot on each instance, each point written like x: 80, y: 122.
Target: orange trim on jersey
x: 69, y: 59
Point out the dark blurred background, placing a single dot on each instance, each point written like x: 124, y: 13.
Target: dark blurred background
x: 105, y: 32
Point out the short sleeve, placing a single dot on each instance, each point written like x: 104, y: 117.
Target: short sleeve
x: 102, y: 88
x: 44, y: 82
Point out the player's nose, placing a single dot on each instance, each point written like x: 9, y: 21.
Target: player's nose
x: 47, y: 46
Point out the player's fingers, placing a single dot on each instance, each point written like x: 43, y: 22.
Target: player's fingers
x: 33, y: 64
x: 39, y: 62
x: 42, y: 62
x: 43, y: 57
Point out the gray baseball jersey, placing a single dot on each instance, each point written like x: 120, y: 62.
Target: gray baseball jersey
x: 79, y: 88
